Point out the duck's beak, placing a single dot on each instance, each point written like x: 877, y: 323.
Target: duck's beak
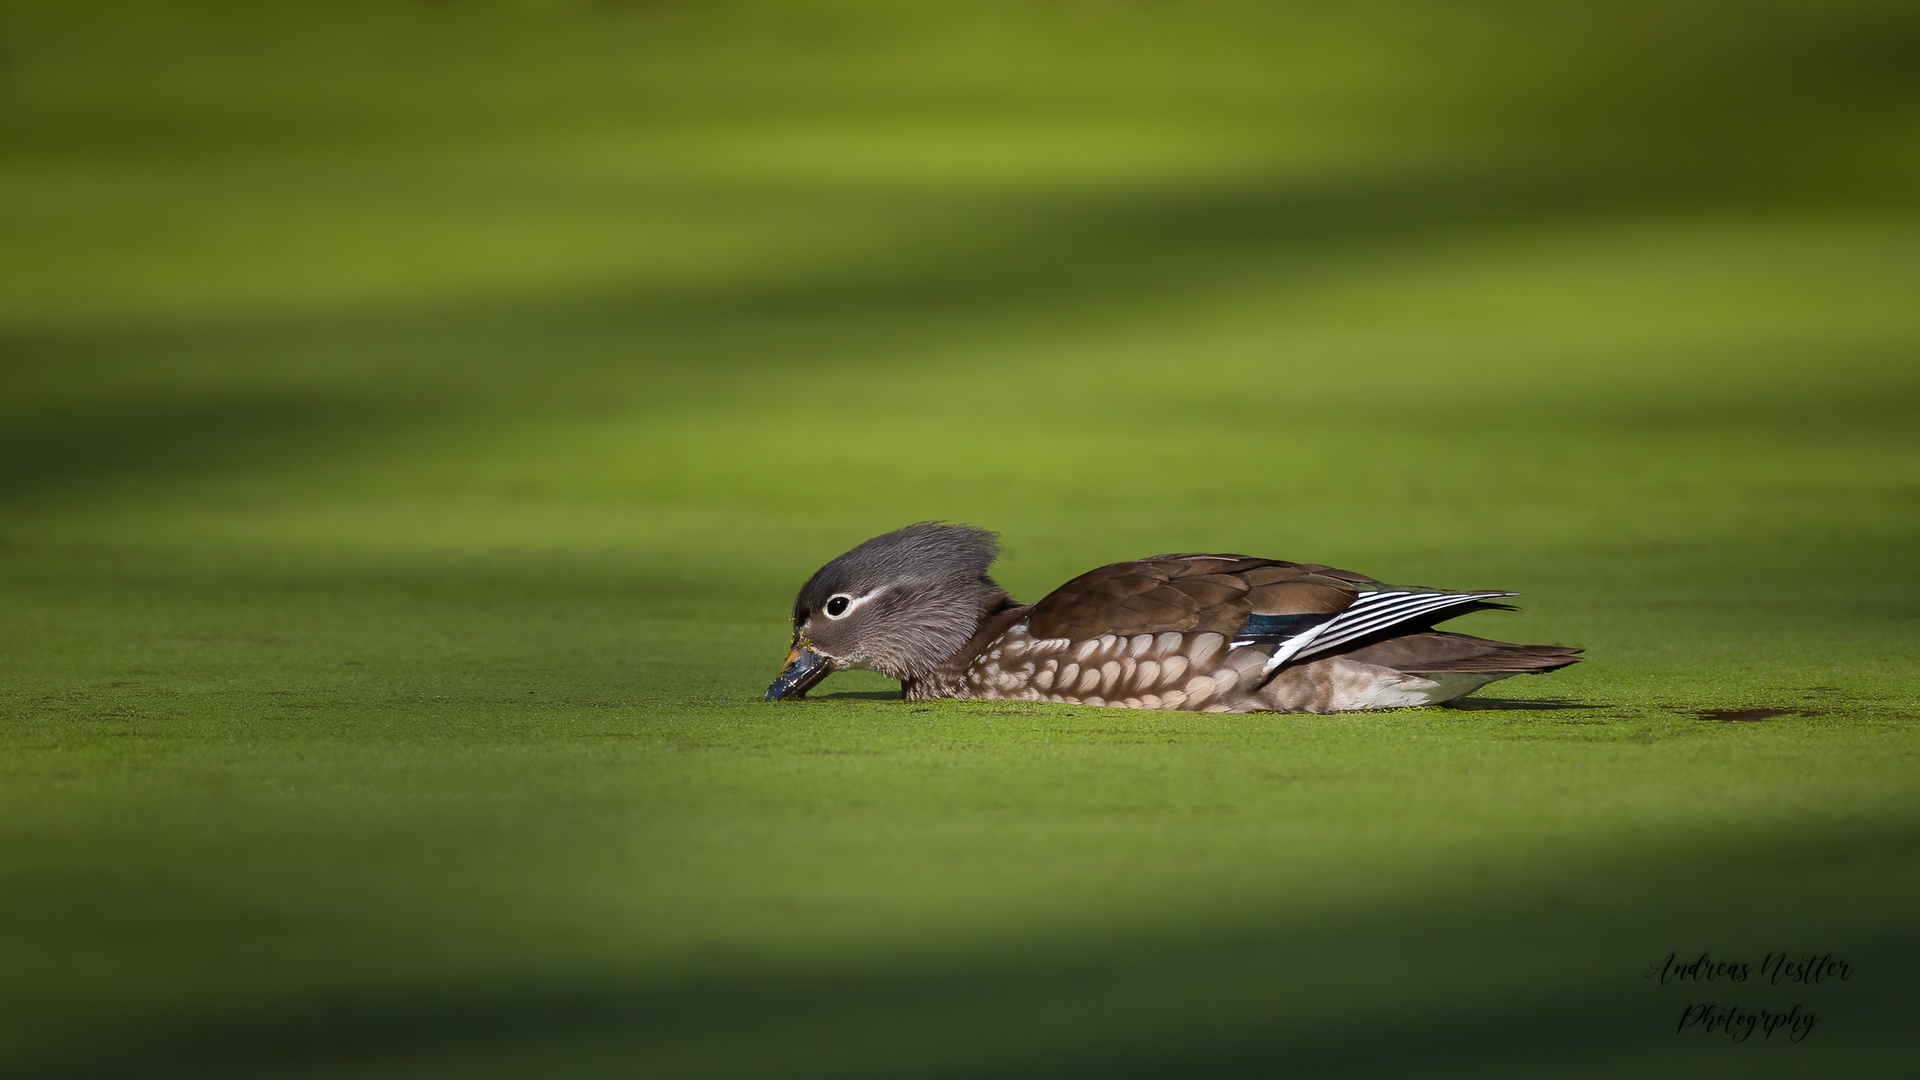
x: 804, y: 669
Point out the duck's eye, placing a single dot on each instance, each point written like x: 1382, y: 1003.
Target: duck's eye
x: 837, y: 606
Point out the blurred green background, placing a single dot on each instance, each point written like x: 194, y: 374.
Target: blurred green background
x: 415, y: 418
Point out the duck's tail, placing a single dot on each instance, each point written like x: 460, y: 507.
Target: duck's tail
x: 1436, y: 651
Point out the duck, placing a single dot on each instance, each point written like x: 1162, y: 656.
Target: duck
x: 1191, y: 632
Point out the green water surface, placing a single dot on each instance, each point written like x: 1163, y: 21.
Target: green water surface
x: 415, y: 419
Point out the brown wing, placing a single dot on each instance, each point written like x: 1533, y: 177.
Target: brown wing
x: 1197, y: 593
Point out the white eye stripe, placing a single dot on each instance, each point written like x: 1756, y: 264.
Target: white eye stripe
x: 853, y: 603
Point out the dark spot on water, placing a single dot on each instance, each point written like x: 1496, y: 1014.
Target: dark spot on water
x: 1749, y: 715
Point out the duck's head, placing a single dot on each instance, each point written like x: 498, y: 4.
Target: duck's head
x: 899, y: 604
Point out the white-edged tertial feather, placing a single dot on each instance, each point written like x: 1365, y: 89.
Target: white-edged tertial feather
x: 1371, y: 612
